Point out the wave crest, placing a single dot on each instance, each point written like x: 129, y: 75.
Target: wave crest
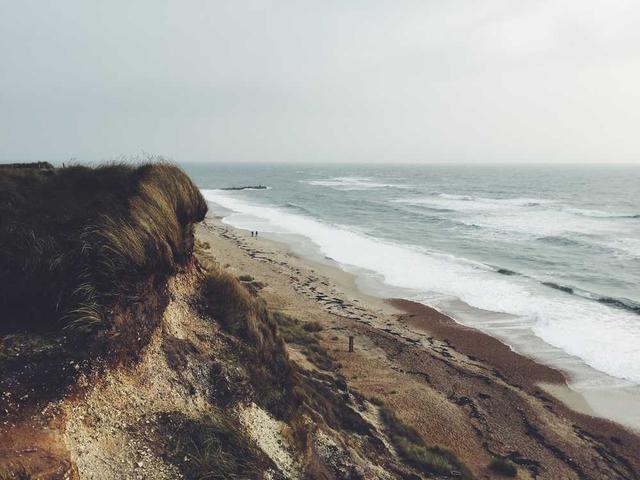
x: 352, y: 183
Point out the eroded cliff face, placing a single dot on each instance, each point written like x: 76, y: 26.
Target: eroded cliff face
x: 123, y: 356
x: 188, y: 406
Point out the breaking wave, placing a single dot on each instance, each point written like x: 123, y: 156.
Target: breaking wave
x: 560, y: 316
x: 353, y: 183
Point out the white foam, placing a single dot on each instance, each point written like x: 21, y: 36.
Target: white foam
x: 529, y: 216
x: 544, y: 223
x: 627, y: 245
x: 604, y: 337
x: 599, y: 213
x: 352, y: 183
x: 467, y: 202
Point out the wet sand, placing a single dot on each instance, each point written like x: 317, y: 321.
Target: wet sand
x: 518, y: 369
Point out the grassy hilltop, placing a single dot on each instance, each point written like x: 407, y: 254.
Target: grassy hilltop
x: 117, y: 328
x: 74, y: 239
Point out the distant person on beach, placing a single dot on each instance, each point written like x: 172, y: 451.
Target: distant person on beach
x: 252, y: 233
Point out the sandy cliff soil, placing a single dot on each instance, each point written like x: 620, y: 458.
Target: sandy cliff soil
x: 187, y: 407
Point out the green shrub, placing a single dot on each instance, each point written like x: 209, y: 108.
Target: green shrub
x: 245, y: 278
x: 503, y: 466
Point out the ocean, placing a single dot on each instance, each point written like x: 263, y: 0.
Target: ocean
x: 545, y: 258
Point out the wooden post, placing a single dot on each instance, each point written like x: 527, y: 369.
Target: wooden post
x: 350, y: 343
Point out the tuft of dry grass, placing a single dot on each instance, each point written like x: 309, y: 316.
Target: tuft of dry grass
x: 503, y: 466
x: 302, y: 334
x: 75, y: 239
x: 245, y: 316
x: 15, y: 472
x: 312, y: 327
x: 238, y: 311
x: 212, y: 447
x: 411, y: 448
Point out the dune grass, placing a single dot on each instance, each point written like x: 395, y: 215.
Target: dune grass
x: 212, y: 447
x: 411, y: 448
x: 503, y: 466
x: 15, y: 472
x: 302, y: 334
x: 246, y: 317
x: 75, y: 239
x: 312, y: 327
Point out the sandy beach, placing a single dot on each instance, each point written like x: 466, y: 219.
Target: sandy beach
x: 459, y: 387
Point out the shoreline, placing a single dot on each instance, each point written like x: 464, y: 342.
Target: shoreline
x: 515, y: 367
x: 459, y: 387
x: 608, y: 404
x: 519, y: 369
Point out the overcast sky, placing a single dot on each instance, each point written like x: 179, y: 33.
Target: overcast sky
x: 336, y: 81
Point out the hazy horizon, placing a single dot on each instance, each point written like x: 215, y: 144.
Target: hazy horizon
x: 409, y: 82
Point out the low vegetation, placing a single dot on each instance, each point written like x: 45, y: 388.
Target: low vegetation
x: 238, y: 311
x: 504, y: 467
x: 246, y: 317
x: 302, y: 334
x: 75, y: 239
x: 251, y: 284
x: 411, y: 448
x: 212, y: 447
x: 312, y: 327
x: 15, y: 472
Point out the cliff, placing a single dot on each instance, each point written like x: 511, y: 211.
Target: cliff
x: 127, y: 352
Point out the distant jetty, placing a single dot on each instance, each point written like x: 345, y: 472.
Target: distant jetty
x: 34, y: 165
x: 247, y: 187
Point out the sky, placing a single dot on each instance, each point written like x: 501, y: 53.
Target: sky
x: 469, y: 81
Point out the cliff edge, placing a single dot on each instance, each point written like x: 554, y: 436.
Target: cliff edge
x: 128, y: 352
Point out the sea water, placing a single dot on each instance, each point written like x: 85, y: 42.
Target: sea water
x: 546, y: 258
